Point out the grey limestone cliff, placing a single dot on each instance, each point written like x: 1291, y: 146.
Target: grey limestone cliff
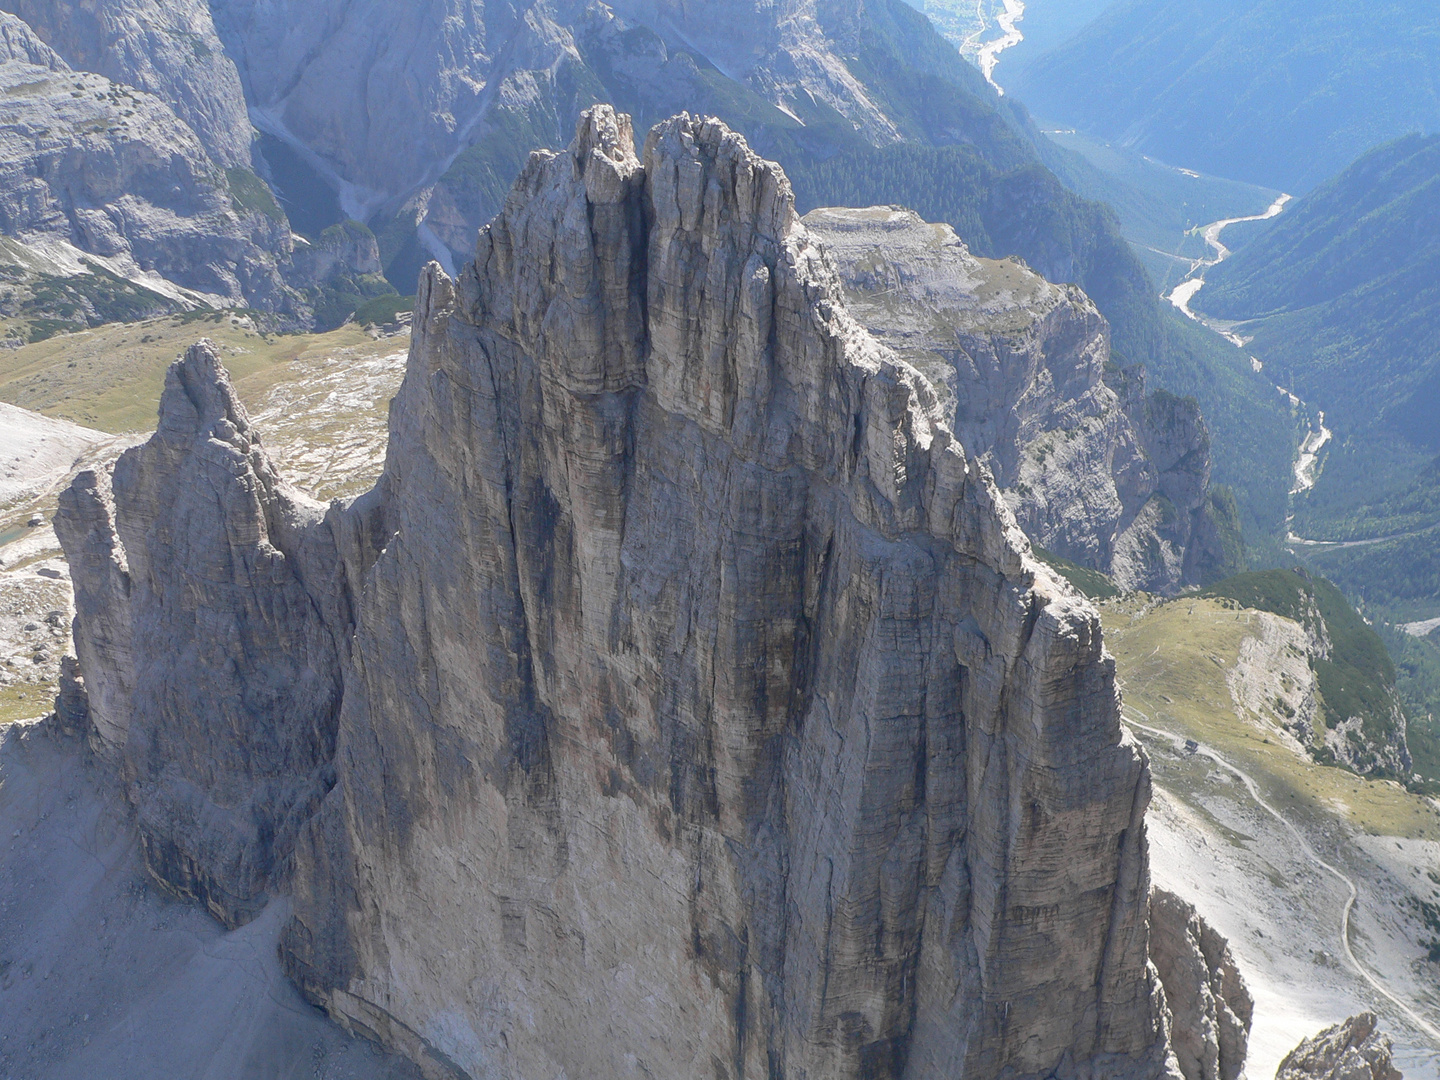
x: 701, y: 711
x: 1210, y: 1007
x: 112, y: 170
x: 168, y: 48
x: 1096, y: 469
x: 1351, y: 1050
x: 210, y: 630
x: 383, y: 94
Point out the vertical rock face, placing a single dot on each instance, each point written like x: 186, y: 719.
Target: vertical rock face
x: 115, y: 172
x: 1210, y: 1008
x: 705, y: 716
x: 206, y: 601
x: 1351, y: 1050
x: 703, y: 713
x: 165, y: 47
x: 380, y: 91
x: 1095, y: 469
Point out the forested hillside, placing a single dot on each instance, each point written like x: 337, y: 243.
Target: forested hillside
x: 1347, y: 284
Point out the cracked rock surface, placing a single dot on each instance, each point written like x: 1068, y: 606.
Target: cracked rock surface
x: 115, y: 172
x: 1351, y: 1050
x: 701, y: 711
x: 1096, y: 469
x: 1210, y: 1008
x: 168, y: 48
x: 209, y: 636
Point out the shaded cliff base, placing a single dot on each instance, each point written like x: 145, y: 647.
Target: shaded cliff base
x: 104, y: 975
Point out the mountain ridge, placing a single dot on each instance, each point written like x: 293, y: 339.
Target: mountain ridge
x: 632, y: 393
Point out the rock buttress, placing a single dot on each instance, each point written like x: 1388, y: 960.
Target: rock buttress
x: 1096, y: 469
x: 705, y: 716
x: 1209, y: 1005
x: 210, y: 629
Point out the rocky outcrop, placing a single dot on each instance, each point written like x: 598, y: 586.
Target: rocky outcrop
x: 209, y: 629
x: 1096, y: 469
x: 19, y: 44
x: 167, y: 48
x: 1346, y: 708
x: 114, y: 172
x: 1351, y: 1050
x: 1210, y: 1008
x: 345, y: 250
x: 703, y: 711
x: 747, y: 615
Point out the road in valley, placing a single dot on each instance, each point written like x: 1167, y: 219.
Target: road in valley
x: 1253, y: 789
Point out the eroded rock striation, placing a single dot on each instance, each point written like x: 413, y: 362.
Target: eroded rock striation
x: 1210, y: 1007
x: 210, y: 630
x: 1351, y: 1050
x: 168, y: 48
x: 700, y: 709
x: 1096, y: 469
x: 114, y: 172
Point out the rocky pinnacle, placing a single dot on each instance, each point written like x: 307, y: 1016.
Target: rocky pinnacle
x: 684, y: 700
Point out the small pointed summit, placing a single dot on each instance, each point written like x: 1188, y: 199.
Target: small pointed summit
x: 601, y: 130
x: 200, y: 400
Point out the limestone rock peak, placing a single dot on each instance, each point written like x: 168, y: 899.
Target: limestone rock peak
x: 684, y: 699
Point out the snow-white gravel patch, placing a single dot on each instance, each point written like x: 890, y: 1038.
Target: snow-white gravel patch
x: 37, y: 451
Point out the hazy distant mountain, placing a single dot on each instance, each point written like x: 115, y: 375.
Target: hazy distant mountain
x: 411, y: 121
x: 1277, y: 92
x: 416, y: 118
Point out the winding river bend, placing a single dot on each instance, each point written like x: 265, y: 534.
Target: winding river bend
x: 1185, y: 292
x: 1307, y: 461
x: 1010, y: 36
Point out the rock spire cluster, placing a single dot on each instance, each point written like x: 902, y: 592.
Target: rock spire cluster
x: 682, y: 701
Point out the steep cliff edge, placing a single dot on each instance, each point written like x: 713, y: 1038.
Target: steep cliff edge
x: 693, y: 675
x: 168, y: 48
x: 1210, y: 1008
x: 210, y: 631
x: 1096, y: 469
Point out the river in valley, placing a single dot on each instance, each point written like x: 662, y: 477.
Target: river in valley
x: 1010, y: 36
x: 1307, y: 460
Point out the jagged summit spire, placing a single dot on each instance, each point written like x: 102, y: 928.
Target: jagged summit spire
x: 199, y: 398
x: 702, y: 712
x: 601, y: 130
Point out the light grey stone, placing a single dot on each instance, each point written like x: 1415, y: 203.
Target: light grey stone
x: 1096, y: 470
x: 1209, y: 1005
x: 705, y: 681
x: 168, y: 48
x: 114, y: 172
x: 211, y: 626
x: 1351, y: 1050
x: 704, y: 712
